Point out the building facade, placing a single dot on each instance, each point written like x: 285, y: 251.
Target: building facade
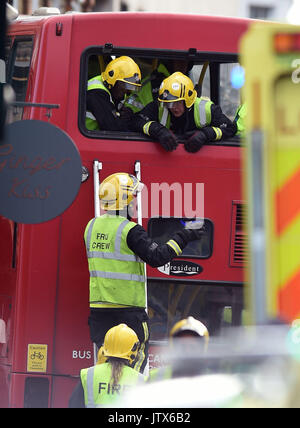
x: 261, y: 9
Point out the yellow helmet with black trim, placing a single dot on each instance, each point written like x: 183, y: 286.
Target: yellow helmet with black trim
x: 177, y: 87
x: 191, y: 325
x: 118, y: 190
x: 121, y: 342
x: 122, y: 69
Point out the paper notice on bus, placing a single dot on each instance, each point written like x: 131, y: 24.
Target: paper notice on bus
x: 193, y: 224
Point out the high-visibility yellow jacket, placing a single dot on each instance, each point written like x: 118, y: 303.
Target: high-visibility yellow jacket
x: 117, y: 275
x: 94, y: 83
x: 97, y: 386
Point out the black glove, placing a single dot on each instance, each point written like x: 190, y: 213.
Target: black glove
x: 193, y: 234
x: 166, y: 137
x: 195, y: 142
x: 184, y: 236
x: 126, y: 113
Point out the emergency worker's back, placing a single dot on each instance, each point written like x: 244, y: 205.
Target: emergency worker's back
x: 99, y: 389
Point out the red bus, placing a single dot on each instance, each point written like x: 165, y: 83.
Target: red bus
x: 44, y: 278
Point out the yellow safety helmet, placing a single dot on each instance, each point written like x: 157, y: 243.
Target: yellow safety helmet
x: 190, y: 324
x: 101, y: 358
x: 121, y: 342
x: 125, y: 70
x: 177, y: 87
x: 118, y: 190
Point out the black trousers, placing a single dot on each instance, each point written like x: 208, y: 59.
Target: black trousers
x: 101, y: 320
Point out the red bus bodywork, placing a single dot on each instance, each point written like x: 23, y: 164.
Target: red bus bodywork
x: 43, y: 269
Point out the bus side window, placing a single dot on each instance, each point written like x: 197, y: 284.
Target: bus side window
x: 229, y: 96
x: 162, y: 229
x: 18, y: 74
x: 97, y: 64
x: 7, y: 49
x: 200, y: 75
x: 94, y: 66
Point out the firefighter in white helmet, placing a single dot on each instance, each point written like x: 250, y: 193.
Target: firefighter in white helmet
x: 116, y: 250
x: 188, y: 337
x: 104, y: 383
x: 190, y: 327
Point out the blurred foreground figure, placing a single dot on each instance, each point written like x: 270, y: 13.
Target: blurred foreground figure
x: 252, y: 367
x: 190, y: 328
x: 188, y: 339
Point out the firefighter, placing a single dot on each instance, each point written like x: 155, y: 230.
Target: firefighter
x: 188, y: 338
x: 188, y: 328
x: 180, y: 115
x: 104, y: 383
x: 151, y: 83
x: 117, y: 249
x: 239, y: 119
x: 106, y: 92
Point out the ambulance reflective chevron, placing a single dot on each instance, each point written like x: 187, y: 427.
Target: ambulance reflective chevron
x: 271, y: 55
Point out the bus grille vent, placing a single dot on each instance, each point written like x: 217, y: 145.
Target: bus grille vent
x: 239, y: 241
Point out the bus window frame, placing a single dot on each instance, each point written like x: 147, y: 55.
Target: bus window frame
x: 215, y: 326
x: 185, y: 254
x: 198, y: 57
x: 8, y: 48
x: 12, y: 56
x: 11, y: 60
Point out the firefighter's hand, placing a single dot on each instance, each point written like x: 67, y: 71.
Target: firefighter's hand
x: 166, y: 137
x: 193, y: 234
x: 184, y: 236
x: 195, y: 142
x: 126, y: 113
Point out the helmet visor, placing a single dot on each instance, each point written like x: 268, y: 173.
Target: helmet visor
x: 167, y: 97
x: 137, y: 186
x: 138, y: 189
x: 130, y: 87
x: 171, y: 104
x: 132, y: 83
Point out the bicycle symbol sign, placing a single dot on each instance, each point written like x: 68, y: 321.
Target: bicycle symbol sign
x: 37, y: 355
x: 37, y: 358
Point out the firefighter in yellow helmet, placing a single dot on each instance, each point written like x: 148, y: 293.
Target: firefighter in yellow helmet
x: 117, y: 248
x: 181, y: 116
x: 106, y: 92
x: 103, y: 384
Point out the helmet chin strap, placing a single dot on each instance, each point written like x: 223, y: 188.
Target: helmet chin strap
x: 126, y: 212
x: 107, y: 85
x: 130, y: 210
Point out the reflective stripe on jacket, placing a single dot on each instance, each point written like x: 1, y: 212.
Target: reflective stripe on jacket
x: 240, y: 119
x: 96, y: 383
x: 94, y: 83
x: 117, y: 275
x: 202, y: 113
x: 160, y: 373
